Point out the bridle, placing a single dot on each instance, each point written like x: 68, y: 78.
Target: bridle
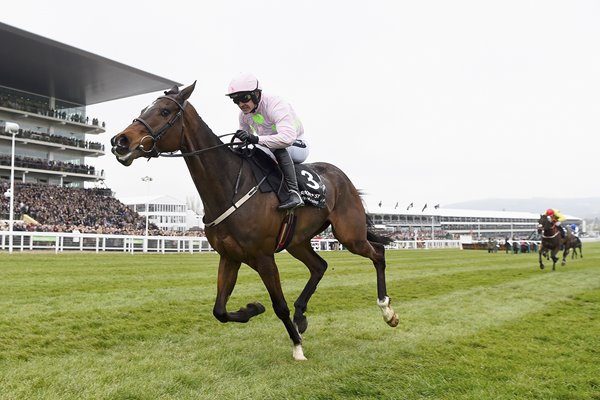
x: 542, y: 229
x: 155, y: 136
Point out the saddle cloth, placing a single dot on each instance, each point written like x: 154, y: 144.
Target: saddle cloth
x: 312, y: 189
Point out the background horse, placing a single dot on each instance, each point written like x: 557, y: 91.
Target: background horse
x: 576, y: 244
x: 552, y: 242
x: 245, y: 227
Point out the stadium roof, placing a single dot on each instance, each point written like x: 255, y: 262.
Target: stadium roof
x: 39, y: 65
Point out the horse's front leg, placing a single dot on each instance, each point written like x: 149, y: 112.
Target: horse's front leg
x: 541, y: 252
x: 267, y: 269
x: 228, y: 272
x: 554, y: 259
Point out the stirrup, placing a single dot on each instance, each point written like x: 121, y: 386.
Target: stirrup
x: 294, y: 201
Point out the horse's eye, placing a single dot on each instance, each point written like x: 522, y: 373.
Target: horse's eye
x: 164, y: 112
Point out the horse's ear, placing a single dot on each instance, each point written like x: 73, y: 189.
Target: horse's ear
x: 185, y: 93
x: 173, y: 90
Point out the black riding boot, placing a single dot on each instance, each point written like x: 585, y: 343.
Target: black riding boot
x: 563, y: 232
x: 289, y: 175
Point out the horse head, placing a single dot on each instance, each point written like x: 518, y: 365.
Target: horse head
x: 546, y: 225
x: 153, y: 132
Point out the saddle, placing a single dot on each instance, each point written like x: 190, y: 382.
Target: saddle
x: 312, y: 189
x: 266, y: 171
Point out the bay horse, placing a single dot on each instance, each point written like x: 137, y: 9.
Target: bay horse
x: 244, y: 229
x: 552, y: 241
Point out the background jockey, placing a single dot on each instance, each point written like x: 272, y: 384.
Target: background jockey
x: 557, y: 219
x: 575, y: 229
x: 271, y: 123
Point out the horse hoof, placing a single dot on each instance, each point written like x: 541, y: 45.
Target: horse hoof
x: 541, y: 266
x: 301, y: 324
x: 255, y: 308
x: 393, y: 322
x: 297, y: 353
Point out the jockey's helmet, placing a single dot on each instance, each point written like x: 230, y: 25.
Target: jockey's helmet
x: 549, y: 212
x: 243, y: 83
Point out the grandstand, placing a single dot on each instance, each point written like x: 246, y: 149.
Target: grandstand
x: 45, y: 87
x: 446, y: 223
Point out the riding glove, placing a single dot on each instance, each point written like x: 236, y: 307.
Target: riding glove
x: 246, y: 137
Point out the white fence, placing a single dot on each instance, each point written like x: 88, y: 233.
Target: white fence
x: 64, y: 241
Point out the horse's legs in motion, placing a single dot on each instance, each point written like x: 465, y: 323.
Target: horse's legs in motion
x: 565, y: 254
x: 228, y: 272
x: 267, y: 269
x: 541, y: 253
x: 317, y: 267
x: 347, y: 231
x: 554, y: 258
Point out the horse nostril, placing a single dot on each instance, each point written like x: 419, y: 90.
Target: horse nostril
x: 119, y: 141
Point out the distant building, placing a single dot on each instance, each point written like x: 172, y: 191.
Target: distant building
x: 166, y: 212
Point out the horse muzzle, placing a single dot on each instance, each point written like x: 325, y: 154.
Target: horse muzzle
x: 122, y: 151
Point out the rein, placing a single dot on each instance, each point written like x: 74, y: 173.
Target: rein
x: 550, y: 237
x: 193, y: 153
x: 155, y: 136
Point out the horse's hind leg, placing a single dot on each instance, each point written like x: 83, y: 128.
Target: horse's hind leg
x: 317, y: 267
x: 354, y: 238
x: 228, y: 272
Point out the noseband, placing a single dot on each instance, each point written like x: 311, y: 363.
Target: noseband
x: 155, y: 136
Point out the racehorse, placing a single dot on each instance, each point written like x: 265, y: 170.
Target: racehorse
x: 244, y: 229
x: 576, y: 244
x: 552, y: 241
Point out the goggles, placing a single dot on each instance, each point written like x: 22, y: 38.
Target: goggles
x: 241, y: 98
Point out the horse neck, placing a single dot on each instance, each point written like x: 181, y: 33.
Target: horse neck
x: 214, y: 171
x: 549, y: 229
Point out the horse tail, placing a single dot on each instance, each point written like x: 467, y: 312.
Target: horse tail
x: 375, y: 237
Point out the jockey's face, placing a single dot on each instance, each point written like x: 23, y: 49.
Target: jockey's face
x: 247, y: 106
x: 244, y: 102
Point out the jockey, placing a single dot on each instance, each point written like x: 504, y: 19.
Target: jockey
x: 575, y: 229
x: 557, y: 218
x: 271, y: 123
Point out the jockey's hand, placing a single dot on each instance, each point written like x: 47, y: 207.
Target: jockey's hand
x: 246, y: 137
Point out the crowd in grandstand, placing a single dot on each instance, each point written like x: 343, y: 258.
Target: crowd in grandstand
x: 46, y: 137
x: 10, y: 99
x: 62, y: 209
x: 54, y: 165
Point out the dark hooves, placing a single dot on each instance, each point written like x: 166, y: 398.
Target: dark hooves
x: 255, y: 308
x: 301, y: 324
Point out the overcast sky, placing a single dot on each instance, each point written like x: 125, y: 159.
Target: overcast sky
x: 417, y: 101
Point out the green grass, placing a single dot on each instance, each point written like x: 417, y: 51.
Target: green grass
x: 473, y: 325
